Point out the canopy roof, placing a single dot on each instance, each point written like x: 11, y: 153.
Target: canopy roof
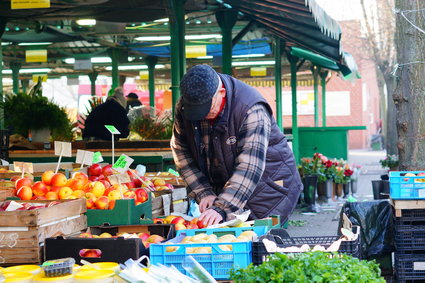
x: 299, y: 23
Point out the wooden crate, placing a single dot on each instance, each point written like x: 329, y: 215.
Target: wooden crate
x: 22, y: 233
x: 407, y: 204
x: 168, y: 178
x: 39, y: 217
x: 6, y: 189
x: 161, y: 204
x: 21, y: 256
x: 180, y: 202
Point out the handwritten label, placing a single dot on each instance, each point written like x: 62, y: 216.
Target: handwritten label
x: 63, y: 149
x: 84, y: 157
x: 97, y: 157
x: 119, y: 178
x: 123, y: 163
x: 26, y: 167
x: 112, y: 129
x: 9, y: 240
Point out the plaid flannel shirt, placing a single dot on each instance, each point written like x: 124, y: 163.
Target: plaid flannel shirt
x: 252, y: 143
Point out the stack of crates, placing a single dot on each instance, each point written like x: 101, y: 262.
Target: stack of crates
x: 408, y: 194
x: 410, y: 246
x: 4, y: 144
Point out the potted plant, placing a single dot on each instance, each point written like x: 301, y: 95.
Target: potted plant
x: 28, y: 113
x: 390, y: 161
x: 310, y: 171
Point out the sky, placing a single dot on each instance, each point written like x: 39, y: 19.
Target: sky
x: 342, y: 9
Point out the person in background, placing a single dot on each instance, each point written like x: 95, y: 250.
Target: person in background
x: 229, y: 150
x: 133, y: 101
x: 111, y: 112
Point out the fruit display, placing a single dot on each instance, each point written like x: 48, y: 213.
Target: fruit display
x: 96, y: 189
x: 180, y: 223
x: 203, y: 238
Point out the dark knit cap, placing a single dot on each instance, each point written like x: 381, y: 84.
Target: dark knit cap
x: 198, y: 87
x: 132, y: 95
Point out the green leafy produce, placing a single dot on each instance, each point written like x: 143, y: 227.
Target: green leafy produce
x: 152, y: 128
x: 310, y: 267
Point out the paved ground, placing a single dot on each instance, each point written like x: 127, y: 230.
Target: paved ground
x: 325, y: 222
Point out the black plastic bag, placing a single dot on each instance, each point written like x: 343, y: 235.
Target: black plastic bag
x: 376, y: 221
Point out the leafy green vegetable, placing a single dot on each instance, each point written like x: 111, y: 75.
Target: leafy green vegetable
x: 297, y: 223
x: 310, y: 267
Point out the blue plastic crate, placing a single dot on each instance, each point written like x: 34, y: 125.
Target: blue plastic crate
x: 218, y: 263
x: 236, y: 231
x: 407, y: 187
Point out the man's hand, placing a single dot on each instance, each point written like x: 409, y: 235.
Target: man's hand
x: 210, y: 217
x: 206, y: 203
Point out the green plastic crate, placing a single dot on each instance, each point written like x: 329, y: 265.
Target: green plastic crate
x: 125, y: 212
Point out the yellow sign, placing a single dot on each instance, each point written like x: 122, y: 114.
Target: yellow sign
x: 193, y: 51
x: 258, y: 71
x: 29, y: 4
x: 43, y: 77
x: 144, y: 75
x: 36, y: 55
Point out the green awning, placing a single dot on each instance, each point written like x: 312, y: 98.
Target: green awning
x: 348, y: 70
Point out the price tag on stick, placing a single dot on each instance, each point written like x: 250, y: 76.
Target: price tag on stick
x: 123, y: 163
x: 24, y: 167
x: 62, y: 149
x: 113, y: 132
x: 119, y: 179
x: 84, y: 157
x: 97, y: 157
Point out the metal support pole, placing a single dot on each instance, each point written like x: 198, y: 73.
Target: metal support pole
x: 25, y: 83
x: 315, y: 72
x: 278, y: 81
x: 93, y: 78
x: 323, y: 76
x: 295, y: 141
x: 226, y: 19
x: 175, y: 11
x: 2, y: 28
x: 114, y: 53
x: 15, y: 66
x: 151, y: 62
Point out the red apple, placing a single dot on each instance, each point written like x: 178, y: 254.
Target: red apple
x: 180, y: 226
x: 201, y: 224
x: 141, y: 195
x: 59, y: 180
x: 39, y: 189
x: 23, y: 182
x: 137, y: 183
x: 46, y: 178
x: 144, y: 236
x: 95, y: 170
x: 80, y: 175
x: 102, y: 202
x: 107, y: 170
x: 105, y: 183
x: 178, y: 220
x: 24, y: 193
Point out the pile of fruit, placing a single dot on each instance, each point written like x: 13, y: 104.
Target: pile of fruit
x: 180, y: 223
x: 146, y: 238
x: 99, y: 193
x: 203, y: 238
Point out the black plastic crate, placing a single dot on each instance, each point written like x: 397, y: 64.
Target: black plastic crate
x: 111, y: 249
x: 412, y: 214
x: 259, y: 252
x: 410, y: 238
x: 409, y: 267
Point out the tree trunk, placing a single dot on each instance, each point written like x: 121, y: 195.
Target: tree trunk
x: 409, y: 95
x: 391, y: 127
